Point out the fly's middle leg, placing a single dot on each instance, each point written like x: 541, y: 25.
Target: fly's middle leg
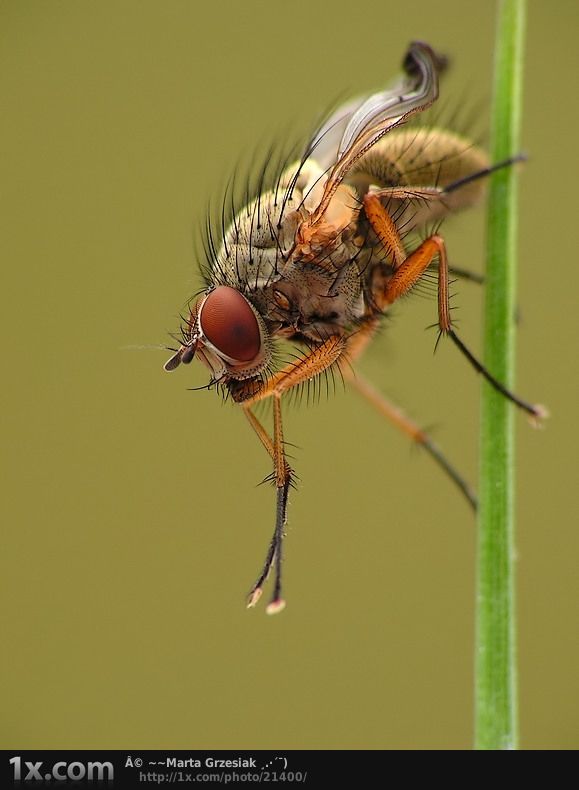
x: 409, y: 272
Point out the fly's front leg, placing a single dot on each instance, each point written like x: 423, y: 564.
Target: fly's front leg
x: 283, y: 478
x: 407, y: 274
x: 291, y: 376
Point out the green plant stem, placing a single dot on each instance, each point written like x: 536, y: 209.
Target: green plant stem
x: 496, y: 725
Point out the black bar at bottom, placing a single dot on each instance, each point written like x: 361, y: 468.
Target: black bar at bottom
x: 143, y: 768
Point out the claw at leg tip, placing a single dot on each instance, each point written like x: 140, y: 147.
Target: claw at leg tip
x: 275, y: 606
x: 254, y: 597
x: 541, y: 413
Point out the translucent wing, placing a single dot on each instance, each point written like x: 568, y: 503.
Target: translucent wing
x: 363, y: 126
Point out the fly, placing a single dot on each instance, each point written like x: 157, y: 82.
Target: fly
x: 319, y: 259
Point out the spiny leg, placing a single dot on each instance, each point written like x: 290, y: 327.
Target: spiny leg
x: 408, y: 274
x: 283, y: 477
x: 356, y: 346
x: 408, y: 192
x: 282, y: 482
x: 463, y: 274
x: 294, y: 374
x: 434, y: 193
x: 412, y: 430
x: 483, y: 173
x: 444, y: 321
x: 384, y: 227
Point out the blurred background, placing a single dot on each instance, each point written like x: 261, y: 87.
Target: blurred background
x: 132, y: 521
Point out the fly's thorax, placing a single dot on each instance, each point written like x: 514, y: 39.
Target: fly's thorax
x: 324, y: 235
x: 256, y: 247
x: 313, y: 301
x: 262, y: 234
x: 304, y: 287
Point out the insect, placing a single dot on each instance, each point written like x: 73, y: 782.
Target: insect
x: 320, y: 256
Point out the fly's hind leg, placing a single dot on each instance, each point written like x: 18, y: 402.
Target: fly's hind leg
x: 401, y: 421
x: 396, y: 416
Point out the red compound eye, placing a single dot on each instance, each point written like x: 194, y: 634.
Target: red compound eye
x: 229, y: 323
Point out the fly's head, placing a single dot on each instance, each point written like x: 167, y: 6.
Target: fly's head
x: 226, y: 332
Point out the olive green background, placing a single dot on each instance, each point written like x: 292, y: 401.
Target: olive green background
x: 132, y: 522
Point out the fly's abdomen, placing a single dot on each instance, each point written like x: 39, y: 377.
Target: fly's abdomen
x: 422, y: 157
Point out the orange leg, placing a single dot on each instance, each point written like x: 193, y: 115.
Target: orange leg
x: 385, y: 229
x: 321, y: 358
x: 356, y: 345
x: 409, y: 193
x: 333, y: 350
x: 403, y: 423
x: 291, y: 376
x: 283, y: 480
x: 408, y: 273
x: 408, y: 269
